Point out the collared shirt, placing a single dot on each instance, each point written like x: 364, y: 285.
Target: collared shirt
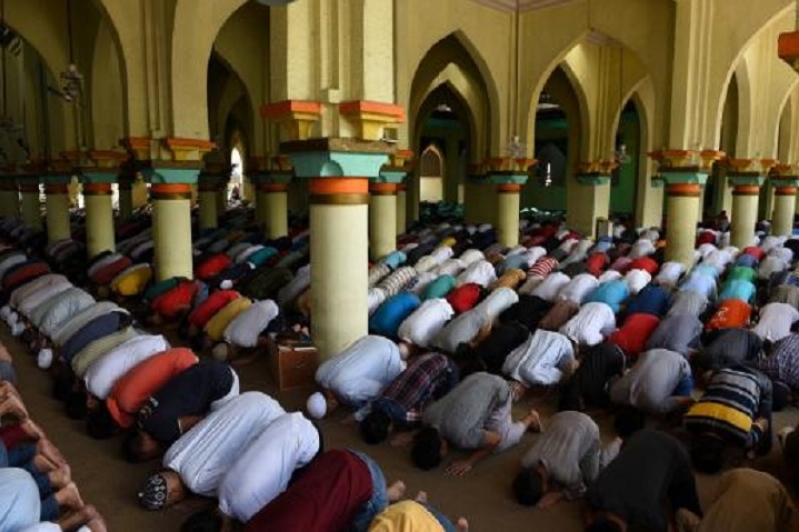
x: 783, y: 361
x: 569, y: 451
x: 426, y: 378
x: 426, y: 322
x: 204, y: 454
x: 544, y: 358
x: 264, y: 469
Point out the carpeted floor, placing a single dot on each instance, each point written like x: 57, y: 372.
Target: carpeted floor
x: 483, y: 496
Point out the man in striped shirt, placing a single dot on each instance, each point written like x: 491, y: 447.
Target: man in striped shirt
x: 734, y: 413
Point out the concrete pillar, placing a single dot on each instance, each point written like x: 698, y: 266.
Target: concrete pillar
x: 382, y: 219
x: 30, y: 206
x: 402, y: 209
x: 125, y: 200
x: 744, y: 215
x: 9, y: 199
x: 99, y: 218
x: 172, y: 230
x: 683, y: 215
x: 508, y: 201
x: 784, y: 211
x: 221, y: 199
x: 339, y: 243
x: 209, y: 216
x: 272, y: 209
x: 57, y: 200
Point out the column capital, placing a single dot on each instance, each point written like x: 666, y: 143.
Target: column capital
x: 371, y: 118
x: 788, y: 48
x: 686, y: 161
x: 598, y: 172
x: 295, y: 116
x: 333, y: 157
x: 185, y: 150
x: 507, y: 178
x: 139, y: 147
x: 519, y: 165
x: 174, y: 172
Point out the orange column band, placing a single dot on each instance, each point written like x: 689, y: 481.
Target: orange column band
x: 688, y: 190
x: 382, y: 189
x: 746, y: 190
x: 785, y: 191
x: 339, y: 190
x: 272, y: 187
x: 509, y: 188
x: 170, y: 191
x: 56, y: 189
x: 97, y: 189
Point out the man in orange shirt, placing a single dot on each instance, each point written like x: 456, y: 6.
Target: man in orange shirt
x: 131, y: 391
x: 731, y: 314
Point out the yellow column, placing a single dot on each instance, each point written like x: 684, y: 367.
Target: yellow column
x: 784, y: 211
x: 402, y: 208
x: 271, y: 209
x: 99, y: 218
x: 339, y: 242
x: 508, y: 198
x: 31, y: 207
x: 172, y: 230
x: 382, y: 219
x: 209, y: 216
x: 744, y: 215
x: 683, y: 215
x: 57, y: 200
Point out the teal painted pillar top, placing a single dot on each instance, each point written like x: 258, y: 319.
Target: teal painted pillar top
x: 330, y: 157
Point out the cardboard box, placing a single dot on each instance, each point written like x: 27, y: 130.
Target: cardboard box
x: 293, y: 366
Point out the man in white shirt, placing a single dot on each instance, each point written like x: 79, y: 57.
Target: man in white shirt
x: 590, y: 325
x: 544, y: 359
x: 637, y: 280
x: 775, y: 322
x: 199, y: 460
x: 670, y: 273
x: 551, y: 286
x: 579, y: 287
x: 358, y: 374
x: 481, y: 272
x: 426, y: 322
x: 103, y: 374
x: 248, y: 330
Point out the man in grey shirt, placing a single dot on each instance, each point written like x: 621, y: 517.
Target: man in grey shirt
x: 659, y: 383
x: 564, y: 461
x: 688, y: 302
x: 677, y: 332
x: 476, y: 415
x: 464, y: 329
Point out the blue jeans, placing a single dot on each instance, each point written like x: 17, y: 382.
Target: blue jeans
x: 685, y: 387
x: 379, y: 500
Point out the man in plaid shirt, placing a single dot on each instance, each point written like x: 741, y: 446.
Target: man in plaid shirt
x: 427, y: 378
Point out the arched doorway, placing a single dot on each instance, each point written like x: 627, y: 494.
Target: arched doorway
x: 625, y: 177
x: 431, y: 178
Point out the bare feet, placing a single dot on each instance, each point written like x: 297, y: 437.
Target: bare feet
x: 462, y: 525
x: 396, y: 491
x: 60, y: 477
x: 69, y: 497
x: 50, y: 451
x: 533, y: 421
x: 44, y: 464
x: 421, y: 497
x: 87, y: 516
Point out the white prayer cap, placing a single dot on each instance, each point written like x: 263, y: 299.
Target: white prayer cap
x: 227, y: 284
x: 316, y: 406
x: 13, y: 318
x: 5, y: 312
x: 17, y: 329
x: 220, y: 351
x: 45, y: 358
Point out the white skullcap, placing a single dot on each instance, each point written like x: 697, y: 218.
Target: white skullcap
x: 13, y: 318
x: 5, y: 312
x: 227, y: 284
x: 317, y: 406
x: 220, y: 351
x: 45, y: 358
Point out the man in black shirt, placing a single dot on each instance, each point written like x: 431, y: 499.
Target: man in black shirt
x: 178, y: 406
x: 630, y: 491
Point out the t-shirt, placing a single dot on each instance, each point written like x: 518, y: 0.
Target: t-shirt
x: 132, y: 390
x: 215, y: 327
x: 213, y: 266
x: 461, y: 415
x: 776, y: 320
x: 677, y: 332
x: 101, y: 376
x: 612, y: 293
x: 189, y: 393
x: 634, y: 333
x: 425, y: 322
x: 738, y: 289
x: 244, y: 329
x: 171, y: 303
x: 653, y: 299
x: 729, y: 347
x: 652, y: 381
x: 325, y: 497
x: 439, y: 288
x: 731, y: 313
x: 634, y: 484
x: 410, y: 516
